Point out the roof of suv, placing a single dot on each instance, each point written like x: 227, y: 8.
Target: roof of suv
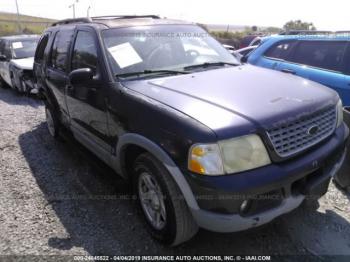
x: 322, y: 37
x: 121, y: 21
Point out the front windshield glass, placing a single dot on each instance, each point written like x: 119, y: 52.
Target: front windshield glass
x: 162, y: 47
x: 24, y: 48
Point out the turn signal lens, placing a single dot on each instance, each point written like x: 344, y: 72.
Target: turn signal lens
x: 205, y: 159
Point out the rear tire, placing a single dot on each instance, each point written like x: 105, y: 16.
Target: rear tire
x: 157, y: 192
x: 3, y: 84
x: 53, y: 124
x: 14, y: 86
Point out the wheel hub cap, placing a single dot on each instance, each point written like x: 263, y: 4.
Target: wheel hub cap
x: 152, y: 200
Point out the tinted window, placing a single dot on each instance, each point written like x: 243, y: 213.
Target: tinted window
x: 280, y: 50
x: 39, y: 54
x: 7, y: 49
x: 60, y: 50
x: 85, y: 52
x: 2, y: 46
x: 323, y: 54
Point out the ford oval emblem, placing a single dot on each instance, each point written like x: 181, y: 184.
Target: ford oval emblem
x: 312, y: 130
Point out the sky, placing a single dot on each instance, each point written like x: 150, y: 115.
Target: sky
x: 326, y: 15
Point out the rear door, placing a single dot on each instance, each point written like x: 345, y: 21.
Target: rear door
x: 86, y: 101
x: 322, y: 62
x: 56, y: 71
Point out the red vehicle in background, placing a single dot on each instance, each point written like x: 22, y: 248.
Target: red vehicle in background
x: 250, y: 40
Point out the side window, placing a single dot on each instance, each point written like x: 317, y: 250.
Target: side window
x: 322, y: 54
x: 85, y: 52
x: 8, y: 50
x: 280, y: 50
x: 59, y: 51
x: 40, y: 50
x: 347, y: 60
x: 2, y: 47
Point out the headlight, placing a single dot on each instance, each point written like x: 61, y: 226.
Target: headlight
x: 340, y: 116
x: 205, y: 159
x: 229, y: 156
x: 243, y: 153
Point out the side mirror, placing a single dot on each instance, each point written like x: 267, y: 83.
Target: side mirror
x: 80, y: 76
x: 3, y: 58
x: 244, y: 59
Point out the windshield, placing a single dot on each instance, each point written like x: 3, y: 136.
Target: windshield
x: 162, y: 47
x: 24, y: 48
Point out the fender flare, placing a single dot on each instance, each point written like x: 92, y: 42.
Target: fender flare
x: 161, y: 155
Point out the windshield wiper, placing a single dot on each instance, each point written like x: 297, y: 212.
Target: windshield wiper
x: 148, y: 72
x: 209, y: 64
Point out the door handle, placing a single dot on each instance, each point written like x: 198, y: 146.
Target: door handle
x: 70, y: 87
x: 288, y: 71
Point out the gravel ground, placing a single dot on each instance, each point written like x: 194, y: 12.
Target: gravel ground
x: 57, y: 199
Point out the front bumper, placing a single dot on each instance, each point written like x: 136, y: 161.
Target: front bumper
x: 220, y: 198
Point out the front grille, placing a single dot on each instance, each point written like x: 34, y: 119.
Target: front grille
x: 294, y: 137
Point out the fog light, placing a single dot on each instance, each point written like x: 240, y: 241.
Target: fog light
x: 245, y: 206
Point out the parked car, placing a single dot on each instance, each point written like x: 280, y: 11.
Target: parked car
x: 205, y: 141
x: 250, y: 40
x: 321, y: 58
x: 16, y: 61
x: 230, y: 48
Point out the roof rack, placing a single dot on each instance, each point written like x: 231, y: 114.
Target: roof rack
x: 106, y: 17
x: 73, y: 21
x: 305, y: 32
x: 124, y: 17
x: 342, y: 32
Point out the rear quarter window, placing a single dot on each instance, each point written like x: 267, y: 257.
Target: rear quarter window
x: 327, y: 55
x: 40, y: 50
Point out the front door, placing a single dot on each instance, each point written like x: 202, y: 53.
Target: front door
x: 86, y: 101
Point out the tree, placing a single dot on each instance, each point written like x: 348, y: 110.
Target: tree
x: 272, y: 30
x: 254, y: 28
x: 298, y: 25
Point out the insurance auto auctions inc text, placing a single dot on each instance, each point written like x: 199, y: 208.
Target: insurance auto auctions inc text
x: 172, y: 258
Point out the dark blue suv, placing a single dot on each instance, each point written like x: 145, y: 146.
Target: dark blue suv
x: 204, y: 140
x: 322, y: 58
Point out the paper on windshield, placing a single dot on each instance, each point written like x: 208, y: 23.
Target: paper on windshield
x: 125, y: 55
x: 16, y: 45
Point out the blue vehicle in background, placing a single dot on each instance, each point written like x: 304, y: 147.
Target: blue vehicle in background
x: 323, y: 58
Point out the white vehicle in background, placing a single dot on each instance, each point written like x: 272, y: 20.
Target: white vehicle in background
x: 230, y: 48
x: 16, y: 61
x: 244, y: 52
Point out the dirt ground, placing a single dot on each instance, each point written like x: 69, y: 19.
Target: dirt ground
x: 57, y: 199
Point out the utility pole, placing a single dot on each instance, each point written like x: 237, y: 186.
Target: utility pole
x: 72, y: 6
x: 18, y: 19
x: 88, y: 12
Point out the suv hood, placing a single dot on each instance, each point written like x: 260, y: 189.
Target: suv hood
x: 246, y: 96
x: 24, y: 63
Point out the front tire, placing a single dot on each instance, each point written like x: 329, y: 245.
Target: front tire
x: 163, y: 206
